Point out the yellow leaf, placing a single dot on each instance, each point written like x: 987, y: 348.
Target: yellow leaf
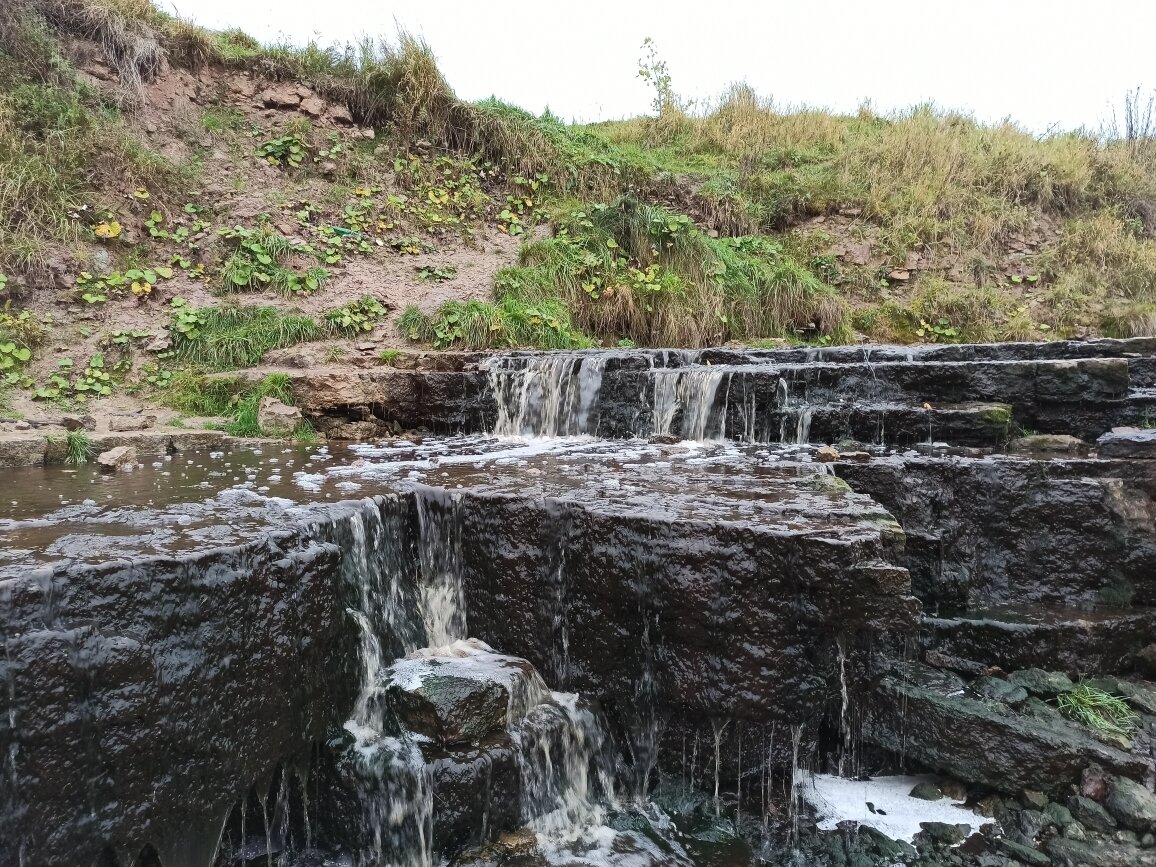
x: 142, y: 287
x: 141, y: 194
x: 107, y: 230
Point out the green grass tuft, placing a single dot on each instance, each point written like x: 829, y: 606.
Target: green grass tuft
x: 1098, y: 710
x: 228, y: 337
x: 78, y: 448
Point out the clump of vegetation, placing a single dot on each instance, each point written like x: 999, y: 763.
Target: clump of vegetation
x: 231, y: 397
x: 228, y: 337
x: 78, y: 448
x: 261, y: 259
x: 1098, y: 710
x: 355, y: 317
x: 482, y: 325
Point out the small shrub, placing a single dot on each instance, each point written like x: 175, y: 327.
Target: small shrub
x: 286, y: 150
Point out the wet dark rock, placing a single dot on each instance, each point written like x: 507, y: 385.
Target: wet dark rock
x: 475, y: 788
x: 1033, y: 799
x: 1058, y: 815
x: 927, y: 792
x: 997, y: 689
x: 1022, y: 853
x: 1031, y: 823
x: 1132, y: 804
x: 452, y: 709
x: 987, y: 537
x: 1146, y: 661
x: 1090, y: 814
x: 1131, y: 443
x: 942, y: 832
x: 1094, y: 783
x: 1066, y: 852
x: 1046, y: 684
x: 142, y: 711
x: 986, y: 742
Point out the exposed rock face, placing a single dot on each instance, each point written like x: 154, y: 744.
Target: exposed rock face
x: 987, y: 532
x: 276, y: 418
x: 143, y: 698
x: 985, y: 743
x: 131, y: 422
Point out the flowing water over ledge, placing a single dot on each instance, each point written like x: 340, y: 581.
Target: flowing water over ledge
x: 537, y: 647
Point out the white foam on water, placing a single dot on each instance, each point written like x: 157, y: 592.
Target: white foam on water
x: 896, y: 814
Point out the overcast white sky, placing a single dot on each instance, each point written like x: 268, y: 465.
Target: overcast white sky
x: 1041, y: 63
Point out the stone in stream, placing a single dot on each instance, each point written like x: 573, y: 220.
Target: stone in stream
x: 117, y: 458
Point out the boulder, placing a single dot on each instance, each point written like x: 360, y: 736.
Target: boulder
x: 115, y: 459
x: 1046, y: 684
x: 131, y: 422
x: 927, y: 792
x: 451, y: 709
x: 1128, y: 442
x: 826, y: 454
x: 1090, y: 814
x: 277, y: 419
x: 1132, y: 804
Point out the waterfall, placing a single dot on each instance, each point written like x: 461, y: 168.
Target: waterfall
x: 395, y: 788
x: 443, y: 603
x: 550, y: 395
x: 691, y: 392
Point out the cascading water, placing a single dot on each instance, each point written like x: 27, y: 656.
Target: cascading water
x: 691, y: 395
x: 554, y: 395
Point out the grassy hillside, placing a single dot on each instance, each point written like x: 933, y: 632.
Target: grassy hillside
x: 250, y: 198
